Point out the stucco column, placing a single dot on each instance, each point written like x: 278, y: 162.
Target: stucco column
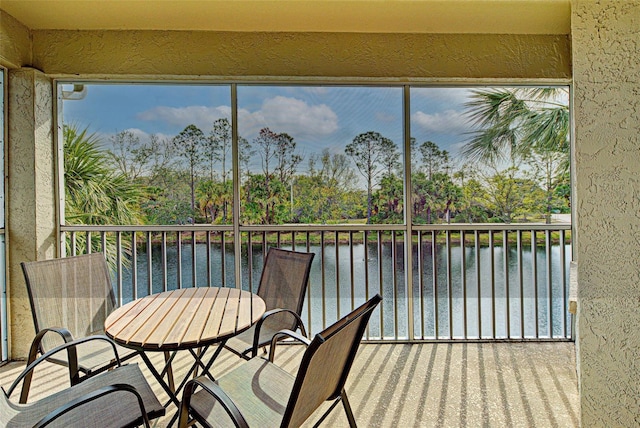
x: 606, y: 49
x: 31, y: 193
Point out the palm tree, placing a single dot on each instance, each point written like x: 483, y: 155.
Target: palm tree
x: 512, y: 122
x: 94, y: 193
x: 519, y: 124
x: 212, y: 197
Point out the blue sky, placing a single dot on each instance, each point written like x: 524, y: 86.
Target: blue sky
x: 316, y: 116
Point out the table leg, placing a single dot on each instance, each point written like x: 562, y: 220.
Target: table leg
x: 213, y: 358
x: 198, y: 362
x: 168, y: 358
x: 169, y: 386
x: 195, y: 372
x: 173, y: 395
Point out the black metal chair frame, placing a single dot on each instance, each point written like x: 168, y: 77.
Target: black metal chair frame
x: 71, y: 350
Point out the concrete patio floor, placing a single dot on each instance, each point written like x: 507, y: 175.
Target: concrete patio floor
x: 424, y: 385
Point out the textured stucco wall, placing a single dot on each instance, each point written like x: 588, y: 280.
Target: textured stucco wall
x: 301, y: 54
x: 606, y: 56
x: 15, y: 42
x: 31, y: 221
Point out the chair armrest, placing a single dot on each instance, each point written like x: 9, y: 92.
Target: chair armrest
x: 256, y: 335
x: 217, y: 394
x: 61, y: 331
x: 70, y: 347
x: 36, y: 348
x: 94, y: 395
x: 282, y: 333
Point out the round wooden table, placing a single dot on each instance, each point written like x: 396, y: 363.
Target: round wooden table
x: 183, y: 319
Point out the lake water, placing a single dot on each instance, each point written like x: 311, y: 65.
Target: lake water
x: 342, y: 284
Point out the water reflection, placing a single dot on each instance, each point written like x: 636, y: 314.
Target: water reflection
x: 453, y: 301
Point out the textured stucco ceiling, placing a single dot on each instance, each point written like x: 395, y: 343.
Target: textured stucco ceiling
x: 371, y: 16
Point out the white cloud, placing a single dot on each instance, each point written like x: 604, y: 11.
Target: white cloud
x: 447, y: 122
x: 280, y: 114
x: 201, y: 116
x: 290, y: 115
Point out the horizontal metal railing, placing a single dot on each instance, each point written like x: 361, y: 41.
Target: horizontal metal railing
x: 467, y: 282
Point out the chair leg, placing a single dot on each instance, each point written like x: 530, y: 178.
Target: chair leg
x: 26, y: 383
x: 74, y: 376
x: 303, y: 331
x: 347, y: 409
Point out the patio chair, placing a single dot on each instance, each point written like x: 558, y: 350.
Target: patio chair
x: 120, y: 397
x: 70, y: 298
x: 260, y: 394
x: 283, y: 284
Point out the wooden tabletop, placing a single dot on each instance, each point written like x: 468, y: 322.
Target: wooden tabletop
x: 184, y: 318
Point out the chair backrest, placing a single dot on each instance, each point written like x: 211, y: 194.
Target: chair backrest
x: 70, y: 292
x: 326, y: 364
x: 283, y: 284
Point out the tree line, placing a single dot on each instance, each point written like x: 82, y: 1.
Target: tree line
x: 516, y: 169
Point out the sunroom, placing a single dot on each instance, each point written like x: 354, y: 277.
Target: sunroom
x: 53, y: 51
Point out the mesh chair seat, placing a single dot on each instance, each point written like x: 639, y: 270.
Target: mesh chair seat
x: 242, y: 344
x: 96, y: 359
x: 259, y: 389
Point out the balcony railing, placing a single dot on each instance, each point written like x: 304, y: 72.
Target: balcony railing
x: 457, y: 282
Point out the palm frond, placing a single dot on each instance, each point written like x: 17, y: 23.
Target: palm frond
x: 94, y: 193
x: 548, y: 129
x: 513, y: 122
x: 491, y: 145
x: 494, y: 108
